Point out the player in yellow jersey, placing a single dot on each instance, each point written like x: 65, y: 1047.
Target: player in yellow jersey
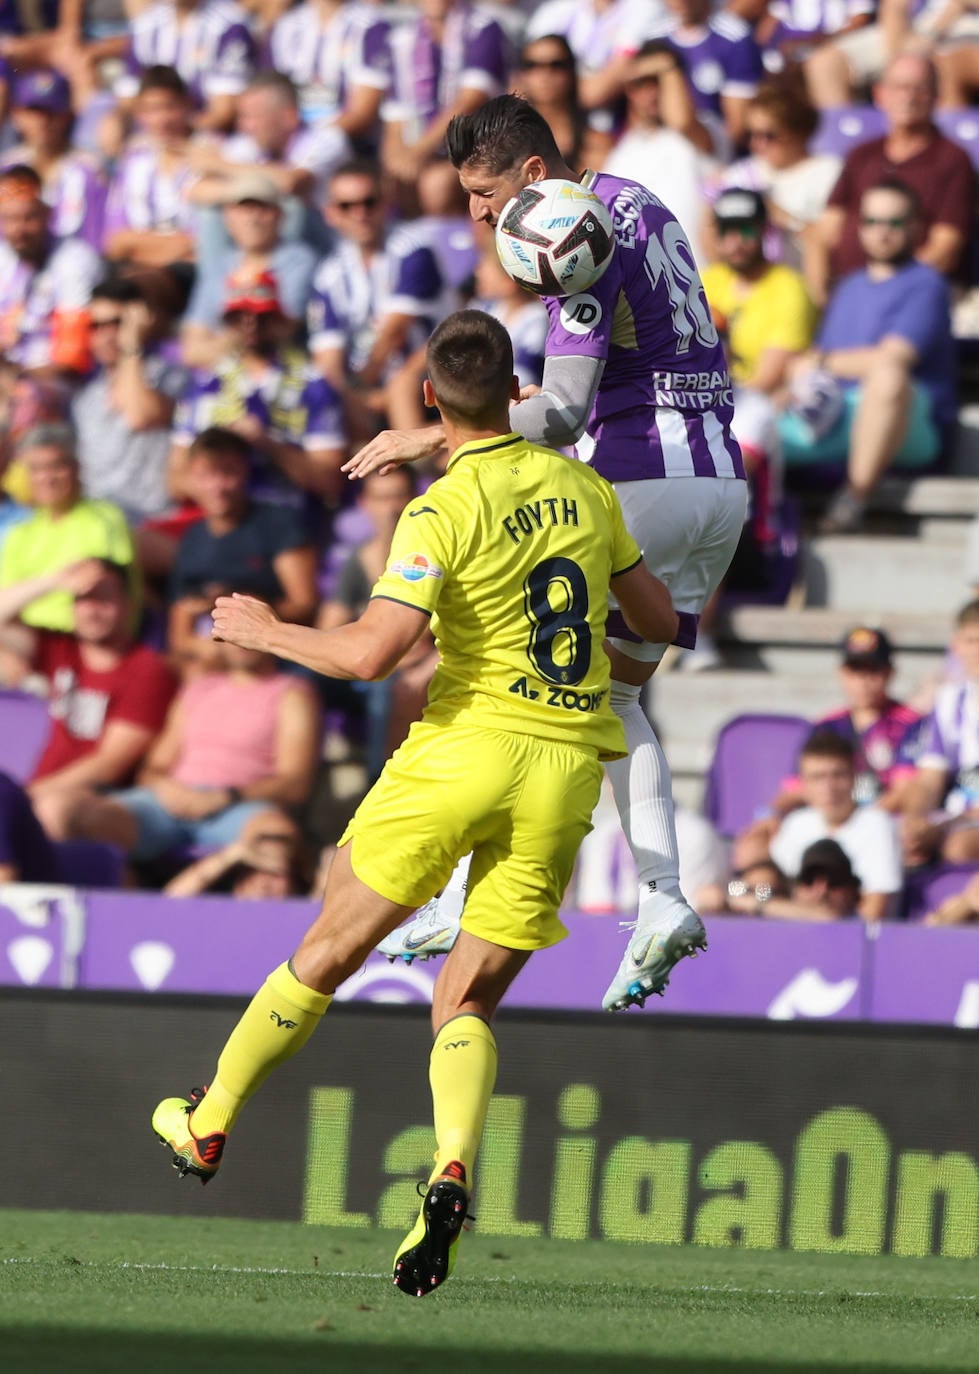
x: 511, y: 555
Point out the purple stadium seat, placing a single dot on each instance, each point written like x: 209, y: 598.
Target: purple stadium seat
x: 24, y: 726
x: 841, y: 129
x: 962, y: 127
x: 752, y: 756
x: 925, y: 888
x: 85, y: 863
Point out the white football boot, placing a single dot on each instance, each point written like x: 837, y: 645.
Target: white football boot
x: 657, y: 945
x: 434, y: 927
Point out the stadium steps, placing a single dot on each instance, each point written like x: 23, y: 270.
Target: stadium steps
x: 805, y: 642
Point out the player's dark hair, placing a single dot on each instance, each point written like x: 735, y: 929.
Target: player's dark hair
x: 969, y: 614
x: 827, y: 744
x: 502, y: 133
x: 218, y: 442
x: 897, y: 187
x: 161, y: 78
x: 470, y: 367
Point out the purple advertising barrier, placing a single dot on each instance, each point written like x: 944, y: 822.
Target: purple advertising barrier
x: 144, y: 942
x: 925, y: 974
x: 42, y: 929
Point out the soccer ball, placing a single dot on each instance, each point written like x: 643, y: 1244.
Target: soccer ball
x: 555, y: 238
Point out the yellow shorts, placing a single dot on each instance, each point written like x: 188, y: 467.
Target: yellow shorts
x: 521, y: 804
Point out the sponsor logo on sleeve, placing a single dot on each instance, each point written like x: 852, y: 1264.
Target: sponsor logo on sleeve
x: 581, y: 314
x: 415, y: 568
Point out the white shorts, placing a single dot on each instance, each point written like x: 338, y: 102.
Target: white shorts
x: 687, y: 529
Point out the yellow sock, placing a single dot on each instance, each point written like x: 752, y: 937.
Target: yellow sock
x: 277, y: 1022
x: 462, y: 1073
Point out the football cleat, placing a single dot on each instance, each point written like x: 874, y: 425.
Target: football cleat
x: 427, y: 1254
x: 200, y: 1156
x: 431, y: 931
x: 654, y: 950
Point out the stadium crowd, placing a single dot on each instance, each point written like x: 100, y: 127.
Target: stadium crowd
x: 226, y: 232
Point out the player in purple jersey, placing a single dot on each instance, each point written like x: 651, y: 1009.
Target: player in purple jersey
x: 635, y: 375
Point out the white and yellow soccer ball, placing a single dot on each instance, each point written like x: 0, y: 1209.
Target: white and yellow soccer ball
x: 555, y: 238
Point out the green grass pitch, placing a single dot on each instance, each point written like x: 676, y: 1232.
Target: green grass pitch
x: 157, y: 1295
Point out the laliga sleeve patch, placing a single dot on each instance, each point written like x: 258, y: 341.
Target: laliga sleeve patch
x: 580, y: 314
x: 415, y: 568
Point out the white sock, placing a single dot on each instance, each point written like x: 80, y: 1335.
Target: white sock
x: 453, y: 896
x: 644, y: 795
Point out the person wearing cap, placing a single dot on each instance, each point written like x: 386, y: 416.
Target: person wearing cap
x: 885, y: 344
x: 45, y: 284
x: 252, y: 216
x: 73, y: 183
x: 884, y: 734
x: 266, y: 390
x: 149, y: 220
x: 869, y: 836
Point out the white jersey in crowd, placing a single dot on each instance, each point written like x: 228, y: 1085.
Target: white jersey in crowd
x: 869, y: 838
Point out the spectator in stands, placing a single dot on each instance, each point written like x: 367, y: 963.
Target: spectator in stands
x: 26, y: 853
x: 253, y: 220
x: 867, y: 835
x: 723, y: 60
x: 779, y: 122
x: 210, y: 44
x: 239, y: 544
x: 880, y: 387
x: 837, y: 72
x: 239, y: 741
x: 793, y: 31
x: 523, y: 316
x: 604, y: 36
x: 73, y: 182
x: 44, y: 284
x: 914, y: 151
x: 265, y: 865
x: 764, y: 313
x: 446, y: 61
x: 149, y: 219
x: 32, y: 399
x: 266, y: 390
x: 65, y: 527
x: 374, y: 300
x: 547, y: 75
x: 270, y: 137
x: 663, y: 144
x: 338, y: 56
x: 826, y: 888
x: 108, y: 696
x: 123, y: 413
x: 941, y: 806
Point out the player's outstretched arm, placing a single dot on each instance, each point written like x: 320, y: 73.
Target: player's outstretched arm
x: 367, y: 649
x: 392, y: 447
x: 646, y: 604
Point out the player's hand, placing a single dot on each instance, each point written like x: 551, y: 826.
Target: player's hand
x: 392, y: 447
x: 243, y: 620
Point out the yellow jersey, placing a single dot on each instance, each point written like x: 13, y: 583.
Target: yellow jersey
x: 773, y: 312
x: 511, y: 554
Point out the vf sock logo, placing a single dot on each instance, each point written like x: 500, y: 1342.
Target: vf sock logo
x: 282, y: 1022
x: 455, y: 1044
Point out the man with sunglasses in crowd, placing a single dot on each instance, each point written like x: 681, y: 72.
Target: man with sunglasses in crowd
x: 885, y: 346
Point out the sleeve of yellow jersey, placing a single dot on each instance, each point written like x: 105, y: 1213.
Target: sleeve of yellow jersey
x: 423, y: 552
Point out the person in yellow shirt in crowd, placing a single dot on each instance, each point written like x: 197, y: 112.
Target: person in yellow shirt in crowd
x: 65, y: 527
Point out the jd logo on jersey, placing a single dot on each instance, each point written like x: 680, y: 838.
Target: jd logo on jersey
x: 580, y: 314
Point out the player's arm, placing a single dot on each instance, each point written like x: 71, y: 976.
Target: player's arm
x: 366, y: 650
x: 557, y: 415
x: 646, y: 604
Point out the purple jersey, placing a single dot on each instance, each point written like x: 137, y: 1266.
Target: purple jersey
x: 721, y: 58
x: 145, y: 196
x: 75, y: 190
x: 32, y: 297
x: 951, y: 743
x: 473, y: 53
x: 351, y: 297
x: 808, y: 18
x: 665, y: 403
x: 326, y: 60
x: 884, y: 752
x: 212, y: 48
